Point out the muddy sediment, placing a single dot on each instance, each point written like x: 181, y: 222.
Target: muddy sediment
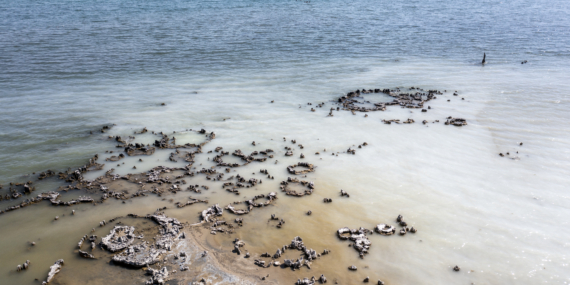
x: 178, y: 250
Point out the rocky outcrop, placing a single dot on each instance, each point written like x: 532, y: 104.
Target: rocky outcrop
x: 119, y: 238
x: 138, y: 256
x: 157, y: 276
x: 358, y: 236
x: 210, y: 213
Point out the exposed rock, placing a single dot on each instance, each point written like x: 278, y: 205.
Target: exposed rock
x: 86, y: 254
x: 385, y: 229
x: 305, y: 281
x: 53, y: 270
x: 458, y: 122
x: 358, y: 236
x: 139, y: 255
x: 352, y: 100
x: 157, y: 276
x: 119, y: 238
x: 309, y: 168
x: 209, y: 213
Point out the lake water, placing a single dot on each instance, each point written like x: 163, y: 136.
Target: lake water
x: 70, y: 67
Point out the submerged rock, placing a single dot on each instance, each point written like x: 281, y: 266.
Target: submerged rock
x: 86, y: 254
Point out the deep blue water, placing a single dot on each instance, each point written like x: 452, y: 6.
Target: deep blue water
x: 47, y: 40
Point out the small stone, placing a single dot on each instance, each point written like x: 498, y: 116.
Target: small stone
x: 456, y: 268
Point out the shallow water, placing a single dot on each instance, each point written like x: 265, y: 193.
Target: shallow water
x: 69, y: 68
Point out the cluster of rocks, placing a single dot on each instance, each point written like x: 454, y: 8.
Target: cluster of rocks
x: 157, y: 276
x: 359, y: 237
x: 361, y: 243
x: 119, y: 238
x: 92, y: 239
x: 251, y: 203
x: 415, y: 100
x: 308, y: 255
x: 24, y: 266
x: 70, y: 176
x: 191, y: 201
x: 458, y: 122
x: 312, y: 281
x: 115, y: 157
x: 144, y: 254
x: 285, y: 187
x: 210, y: 213
x: 139, y: 149
x: 397, y: 121
x: 405, y: 229
x: 247, y: 158
x: 264, y: 171
x: 52, y: 196
x: 309, y: 168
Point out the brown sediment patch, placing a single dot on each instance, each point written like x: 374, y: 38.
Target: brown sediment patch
x: 170, y: 253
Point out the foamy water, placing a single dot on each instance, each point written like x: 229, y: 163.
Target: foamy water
x: 503, y: 220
